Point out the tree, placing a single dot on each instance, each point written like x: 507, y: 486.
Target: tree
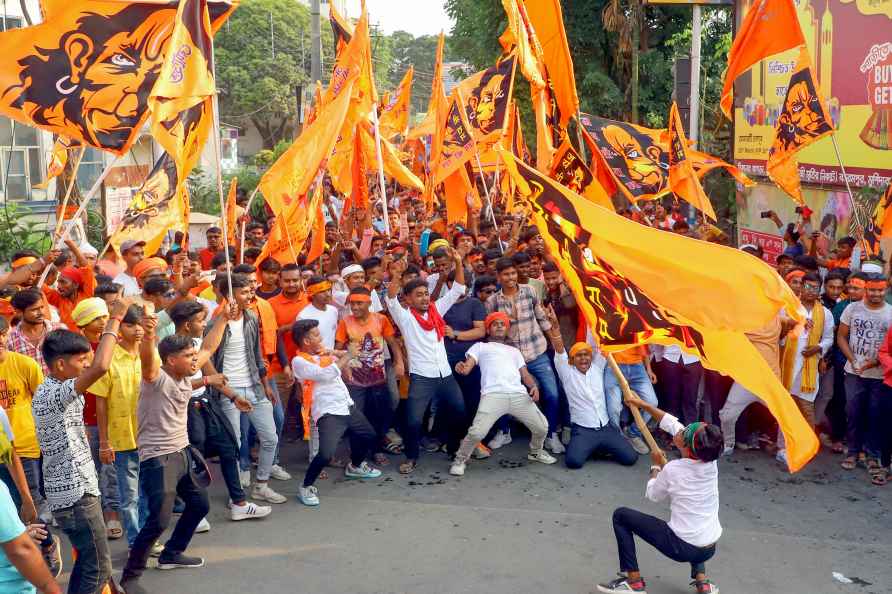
x: 419, y: 52
x: 263, y: 56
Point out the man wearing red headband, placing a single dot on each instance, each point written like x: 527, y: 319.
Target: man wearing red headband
x: 507, y: 388
x: 74, y: 285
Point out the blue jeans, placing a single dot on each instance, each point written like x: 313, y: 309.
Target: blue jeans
x: 636, y: 375
x: 278, y: 418
x: 262, y: 420
x: 541, y: 369
x: 134, y: 507
x: 85, y: 528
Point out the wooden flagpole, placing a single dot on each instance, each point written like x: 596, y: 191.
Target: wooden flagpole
x: 241, y: 251
x: 71, y: 183
x: 381, y: 184
x: 219, y: 169
x: 636, y: 414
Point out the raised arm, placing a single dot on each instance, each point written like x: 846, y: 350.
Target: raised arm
x: 107, y: 342
x: 214, y: 335
x: 148, y: 355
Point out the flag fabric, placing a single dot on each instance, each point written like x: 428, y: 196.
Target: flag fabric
x: 160, y: 204
x: 356, y: 58
x: 456, y: 188
x: 291, y: 175
x: 436, y: 105
x: 58, y: 159
x: 635, y: 159
x: 770, y: 27
x: 486, y: 97
x: 518, y: 143
x: 529, y: 53
x: 878, y: 227
x: 639, y: 285
x: 359, y: 197
x: 683, y: 180
x: 394, y: 117
x: 231, y: 213
x: 546, y: 18
x: 55, y: 76
x: 570, y: 171
x: 314, y: 107
x: 456, y: 146
x: 393, y: 165
x: 803, y: 120
x: 317, y: 245
x: 341, y: 29
x: 280, y: 244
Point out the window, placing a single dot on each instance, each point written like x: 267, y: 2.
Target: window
x: 91, y: 168
x: 21, y: 162
x: 11, y: 22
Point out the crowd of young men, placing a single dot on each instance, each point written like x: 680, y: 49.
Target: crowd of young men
x: 118, y: 387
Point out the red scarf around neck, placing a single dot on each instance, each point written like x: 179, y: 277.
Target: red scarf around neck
x: 434, y: 320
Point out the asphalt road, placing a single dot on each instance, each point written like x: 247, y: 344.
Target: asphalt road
x: 512, y: 526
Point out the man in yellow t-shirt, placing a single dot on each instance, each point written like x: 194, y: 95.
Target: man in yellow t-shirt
x: 117, y: 395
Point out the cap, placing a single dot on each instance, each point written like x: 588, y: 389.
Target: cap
x: 130, y: 244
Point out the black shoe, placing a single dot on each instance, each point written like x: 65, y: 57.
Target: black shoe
x: 132, y: 586
x: 175, y: 561
x: 53, y: 557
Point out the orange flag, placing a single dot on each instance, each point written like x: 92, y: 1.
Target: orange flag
x: 231, y: 214
x: 570, y: 170
x: 393, y: 166
x: 639, y: 285
x: 770, y: 27
x: 317, y: 245
x: 359, y: 197
x: 394, y: 117
x: 456, y: 189
x: 803, y: 120
x: 340, y: 27
x: 58, y: 159
x: 682, y: 179
x: 487, y: 100
x: 314, y: 107
x: 456, y: 145
x: 547, y: 20
x: 291, y: 175
x: 436, y: 105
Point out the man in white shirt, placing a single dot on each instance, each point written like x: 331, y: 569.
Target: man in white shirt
x: 320, y: 309
x: 132, y: 253
x: 691, y: 485
x: 502, y: 369
x: 332, y: 409
x: 591, y: 432
x: 430, y: 374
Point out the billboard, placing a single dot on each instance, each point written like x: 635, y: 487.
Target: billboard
x: 850, y: 42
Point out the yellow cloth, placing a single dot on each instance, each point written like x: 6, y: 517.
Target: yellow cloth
x: 120, y: 388
x: 88, y: 310
x: 809, y: 364
x: 19, y: 377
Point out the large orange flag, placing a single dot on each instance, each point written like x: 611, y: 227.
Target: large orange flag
x: 456, y: 146
x: 803, y: 120
x: 291, y: 175
x: 394, y: 117
x: 547, y: 20
x: 231, y: 213
x: 340, y: 27
x: 571, y: 171
x: 770, y: 27
x: 682, y: 179
x: 359, y: 196
x: 317, y: 245
x: 393, y: 166
x: 639, y: 285
x: 486, y: 96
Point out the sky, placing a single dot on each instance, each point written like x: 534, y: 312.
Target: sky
x: 418, y: 17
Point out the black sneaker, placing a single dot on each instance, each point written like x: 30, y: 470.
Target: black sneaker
x: 53, y: 557
x: 622, y: 584
x: 175, y: 561
x: 132, y: 586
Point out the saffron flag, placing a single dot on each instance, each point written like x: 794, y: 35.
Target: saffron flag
x: 160, y: 204
x: 317, y: 245
x: 570, y: 170
x: 518, y: 143
x: 682, y: 179
x: 356, y: 58
x: 456, y: 189
x: 86, y: 72
x: 547, y: 19
x: 529, y: 52
x: 638, y: 285
x: 486, y: 97
x: 393, y: 166
x: 58, y: 159
x: 803, y: 120
x: 770, y: 27
x: 291, y: 175
x: 636, y: 159
x: 359, y: 197
x: 394, y: 117
x: 314, y: 107
x: 457, y: 144
x: 436, y: 105
x: 341, y: 29
x: 280, y: 244
x: 231, y: 214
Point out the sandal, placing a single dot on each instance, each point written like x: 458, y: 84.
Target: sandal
x: 337, y: 463
x: 880, y: 477
x: 114, y: 530
x: 381, y: 459
x: 394, y: 448
x: 408, y: 467
x: 849, y: 463
x: 873, y: 466
x: 837, y: 448
x: 323, y: 476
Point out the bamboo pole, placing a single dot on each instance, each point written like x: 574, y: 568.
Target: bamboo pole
x: 241, y: 252
x: 381, y: 183
x: 61, y: 218
x: 636, y: 414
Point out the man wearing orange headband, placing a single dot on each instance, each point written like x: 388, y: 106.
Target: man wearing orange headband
x: 862, y: 330
x: 74, y: 285
x: 321, y: 309
x: 507, y: 388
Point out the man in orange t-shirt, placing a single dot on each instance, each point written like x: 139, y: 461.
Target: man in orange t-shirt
x: 74, y: 285
x: 635, y: 366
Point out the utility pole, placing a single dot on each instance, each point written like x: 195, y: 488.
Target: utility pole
x: 694, y: 132
x: 315, y: 42
x: 272, y: 36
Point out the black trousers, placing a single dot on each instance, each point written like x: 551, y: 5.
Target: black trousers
x: 628, y: 522
x: 450, y: 410
x: 163, y: 478
x: 586, y: 442
x: 331, y: 429
x: 374, y: 402
x: 715, y: 390
x: 211, y: 433
x: 680, y: 389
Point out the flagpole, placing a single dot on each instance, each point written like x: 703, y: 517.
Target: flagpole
x: 241, y: 252
x: 848, y: 187
x: 219, y: 169
x: 636, y: 414
x: 579, y: 138
x: 381, y: 182
x: 80, y: 212
x: 61, y: 218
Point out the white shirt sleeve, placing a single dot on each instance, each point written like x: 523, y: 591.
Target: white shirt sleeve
x: 474, y: 351
x: 305, y: 370
x: 670, y: 424
x: 828, y: 334
x: 519, y: 361
x: 448, y: 300
x: 562, y: 364
x: 658, y: 488
x: 396, y: 310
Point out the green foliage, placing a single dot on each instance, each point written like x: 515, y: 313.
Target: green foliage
x: 203, y: 194
x: 419, y: 52
x: 19, y: 231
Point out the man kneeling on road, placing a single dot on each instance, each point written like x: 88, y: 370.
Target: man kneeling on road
x: 502, y: 370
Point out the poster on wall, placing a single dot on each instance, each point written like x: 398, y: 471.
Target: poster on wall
x: 850, y: 43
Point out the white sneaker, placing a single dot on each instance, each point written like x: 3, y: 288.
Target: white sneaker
x: 244, y: 477
x: 263, y: 492
x: 203, y: 526
x: 156, y: 549
x: 279, y: 473
x: 638, y: 444
x: 542, y: 456
x: 457, y: 469
x: 728, y: 452
x: 554, y: 444
x: 502, y: 438
x: 249, y: 511
x: 781, y: 458
x: 363, y: 471
x: 308, y: 495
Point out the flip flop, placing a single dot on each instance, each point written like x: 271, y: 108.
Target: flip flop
x: 114, y: 530
x: 408, y: 467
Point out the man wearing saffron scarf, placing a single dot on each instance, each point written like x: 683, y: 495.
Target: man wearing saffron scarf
x: 801, y: 354
x: 430, y: 375
x: 74, y: 285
